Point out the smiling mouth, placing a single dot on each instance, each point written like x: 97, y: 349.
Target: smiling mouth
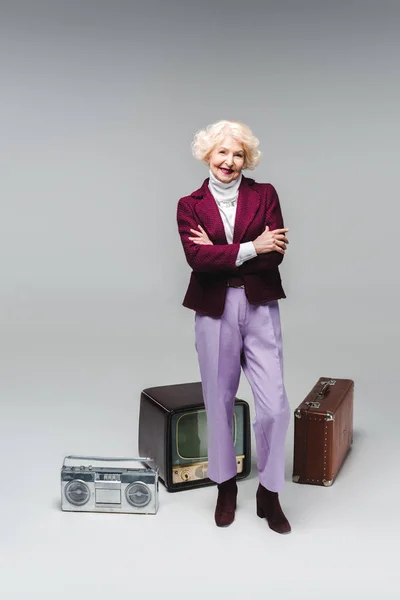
x: 226, y: 171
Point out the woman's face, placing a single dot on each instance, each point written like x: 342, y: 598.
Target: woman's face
x: 226, y: 160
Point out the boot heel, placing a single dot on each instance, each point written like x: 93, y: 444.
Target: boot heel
x: 260, y: 512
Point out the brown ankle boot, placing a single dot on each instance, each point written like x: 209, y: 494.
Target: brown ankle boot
x: 226, y: 502
x: 268, y: 506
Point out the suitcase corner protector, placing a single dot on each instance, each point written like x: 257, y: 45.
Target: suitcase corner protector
x: 296, y: 478
x: 327, y: 482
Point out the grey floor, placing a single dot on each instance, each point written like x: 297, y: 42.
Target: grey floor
x: 77, y: 390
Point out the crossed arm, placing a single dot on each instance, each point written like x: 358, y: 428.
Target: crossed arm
x: 203, y: 255
x: 271, y: 250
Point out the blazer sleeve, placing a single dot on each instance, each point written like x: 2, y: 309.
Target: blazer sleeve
x: 211, y: 258
x: 274, y: 220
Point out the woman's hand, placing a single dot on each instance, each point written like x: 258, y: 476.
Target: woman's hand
x: 270, y: 241
x: 202, y: 238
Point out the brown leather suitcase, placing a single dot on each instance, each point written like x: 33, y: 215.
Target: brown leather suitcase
x: 323, y: 431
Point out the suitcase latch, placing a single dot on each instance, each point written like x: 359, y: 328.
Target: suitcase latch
x: 313, y: 404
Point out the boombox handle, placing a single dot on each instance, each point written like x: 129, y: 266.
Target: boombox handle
x: 141, y: 459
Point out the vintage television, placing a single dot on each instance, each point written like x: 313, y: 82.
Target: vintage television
x: 173, y: 432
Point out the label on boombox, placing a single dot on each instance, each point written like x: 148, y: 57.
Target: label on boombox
x: 96, y: 484
x: 198, y: 470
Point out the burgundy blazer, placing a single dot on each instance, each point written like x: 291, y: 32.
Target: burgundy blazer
x: 257, y: 207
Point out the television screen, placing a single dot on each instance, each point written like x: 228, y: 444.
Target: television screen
x: 189, y: 435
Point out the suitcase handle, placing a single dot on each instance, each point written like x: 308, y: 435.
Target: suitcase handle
x: 321, y: 394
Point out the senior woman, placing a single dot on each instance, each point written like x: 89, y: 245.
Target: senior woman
x: 234, y: 238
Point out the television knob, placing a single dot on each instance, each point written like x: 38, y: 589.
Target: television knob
x: 185, y: 474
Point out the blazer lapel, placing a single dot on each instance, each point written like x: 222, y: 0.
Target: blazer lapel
x: 209, y: 215
x: 210, y: 218
x: 247, y: 207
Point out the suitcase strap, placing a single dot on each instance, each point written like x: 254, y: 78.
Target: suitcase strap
x: 323, y: 392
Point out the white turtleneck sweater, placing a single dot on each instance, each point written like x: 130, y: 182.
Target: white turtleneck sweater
x: 226, y: 195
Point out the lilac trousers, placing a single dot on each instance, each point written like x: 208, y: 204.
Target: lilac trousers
x: 246, y: 336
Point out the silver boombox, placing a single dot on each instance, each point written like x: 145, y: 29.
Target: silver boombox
x: 123, y: 485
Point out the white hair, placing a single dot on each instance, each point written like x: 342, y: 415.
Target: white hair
x: 207, y: 139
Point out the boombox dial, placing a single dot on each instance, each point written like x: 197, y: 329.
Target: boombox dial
x: 138, y: 494
x: 77, y: 492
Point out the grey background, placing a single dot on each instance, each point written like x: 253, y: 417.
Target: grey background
x: 100, y: 101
